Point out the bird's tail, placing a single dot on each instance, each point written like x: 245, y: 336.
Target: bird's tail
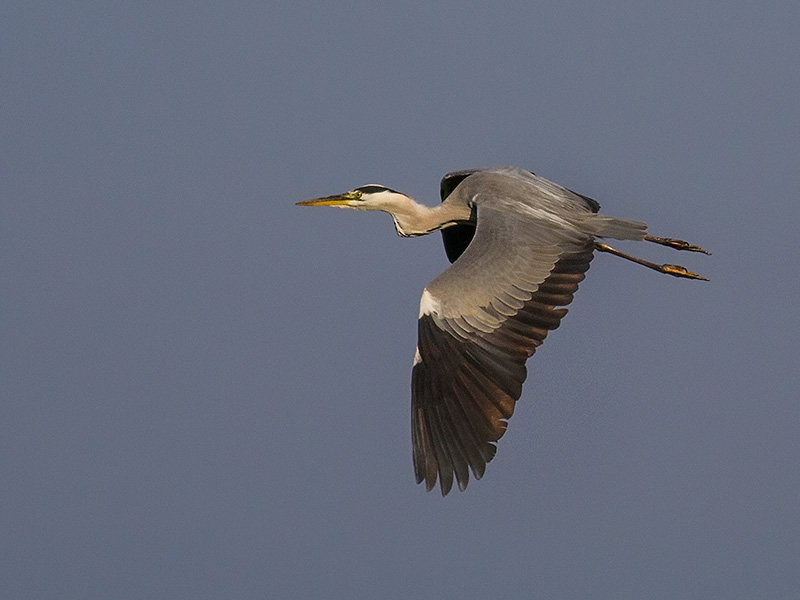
x: 612, y: 227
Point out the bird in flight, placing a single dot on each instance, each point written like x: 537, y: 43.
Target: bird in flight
x: 519, y: 246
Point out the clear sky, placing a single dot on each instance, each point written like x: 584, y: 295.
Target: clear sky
x: 205, y: 389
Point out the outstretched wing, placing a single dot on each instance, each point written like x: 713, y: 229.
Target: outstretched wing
x: 480, y: 320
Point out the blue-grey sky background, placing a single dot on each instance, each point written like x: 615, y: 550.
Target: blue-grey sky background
x: 206, y: 389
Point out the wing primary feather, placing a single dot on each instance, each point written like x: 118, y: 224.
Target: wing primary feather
x: 481, y: 426
x: 451, y: 434
x: 441, y: 450
x: 497, y: 401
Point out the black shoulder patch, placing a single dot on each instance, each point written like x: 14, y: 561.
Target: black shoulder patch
x: 455, y: 238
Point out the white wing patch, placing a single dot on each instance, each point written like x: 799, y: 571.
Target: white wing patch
x: 417, y: 357
x: 428, y: 304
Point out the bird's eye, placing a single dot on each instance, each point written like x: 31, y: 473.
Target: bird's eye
x: 357, y: 194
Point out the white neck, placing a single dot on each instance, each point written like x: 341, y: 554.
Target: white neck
x: 412, y: 218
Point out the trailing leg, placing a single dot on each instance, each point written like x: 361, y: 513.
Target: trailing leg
x: 674, y: 270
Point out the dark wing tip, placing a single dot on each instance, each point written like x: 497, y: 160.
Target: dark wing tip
x: 460, y: 404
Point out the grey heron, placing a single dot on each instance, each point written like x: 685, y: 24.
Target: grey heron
x: 519, y: 246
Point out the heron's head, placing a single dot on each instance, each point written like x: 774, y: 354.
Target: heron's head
x: 365, y: 197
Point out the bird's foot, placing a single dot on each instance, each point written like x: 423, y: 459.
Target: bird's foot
x: 676, y: 244
x: 679, y: 271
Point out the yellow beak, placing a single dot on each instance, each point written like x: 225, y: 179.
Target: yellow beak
x: 336, y: 200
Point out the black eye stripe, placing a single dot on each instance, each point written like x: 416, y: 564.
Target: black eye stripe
x: 373, y: 189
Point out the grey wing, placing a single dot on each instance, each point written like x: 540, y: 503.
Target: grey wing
x: 480, y: 320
